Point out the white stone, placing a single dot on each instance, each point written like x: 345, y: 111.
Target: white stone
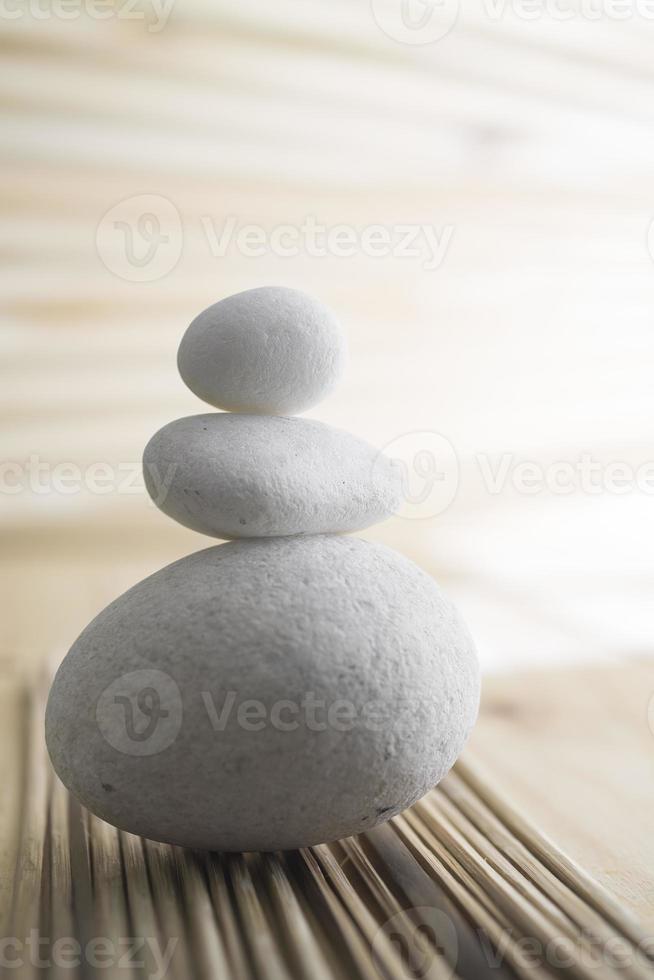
x: 249, y: 476
x: 270, y: 351
x: 186, y: 711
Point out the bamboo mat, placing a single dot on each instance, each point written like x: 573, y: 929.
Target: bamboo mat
x: 460, y: 885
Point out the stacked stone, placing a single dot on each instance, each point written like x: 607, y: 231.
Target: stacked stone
x: 294, y: 685
x: 269, y: 353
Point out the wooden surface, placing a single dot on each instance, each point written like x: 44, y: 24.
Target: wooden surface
x: 574, y: 749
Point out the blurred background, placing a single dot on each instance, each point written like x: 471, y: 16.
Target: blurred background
x: 469, y: 186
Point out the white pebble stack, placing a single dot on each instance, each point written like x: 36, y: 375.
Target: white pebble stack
x: 363, y: 678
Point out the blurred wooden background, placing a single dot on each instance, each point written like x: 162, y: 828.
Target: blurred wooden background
x: 531, y: 141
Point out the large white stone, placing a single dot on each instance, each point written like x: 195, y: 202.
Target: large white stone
x: 249, y: 476
x: 265, y: 694
x: 270, y: 350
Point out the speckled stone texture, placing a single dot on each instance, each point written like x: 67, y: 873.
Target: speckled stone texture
x: 270, y: 351
x: 139, y: 726
x: 248, y: 476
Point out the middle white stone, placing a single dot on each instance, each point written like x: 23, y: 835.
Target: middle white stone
x: 251, y: 476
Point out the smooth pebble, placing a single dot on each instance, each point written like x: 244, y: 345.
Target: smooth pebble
x: 271, y: 350
x: 247, y: 476
x: 186, y: 711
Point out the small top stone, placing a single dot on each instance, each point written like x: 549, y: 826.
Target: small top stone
x: 268, y: 351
